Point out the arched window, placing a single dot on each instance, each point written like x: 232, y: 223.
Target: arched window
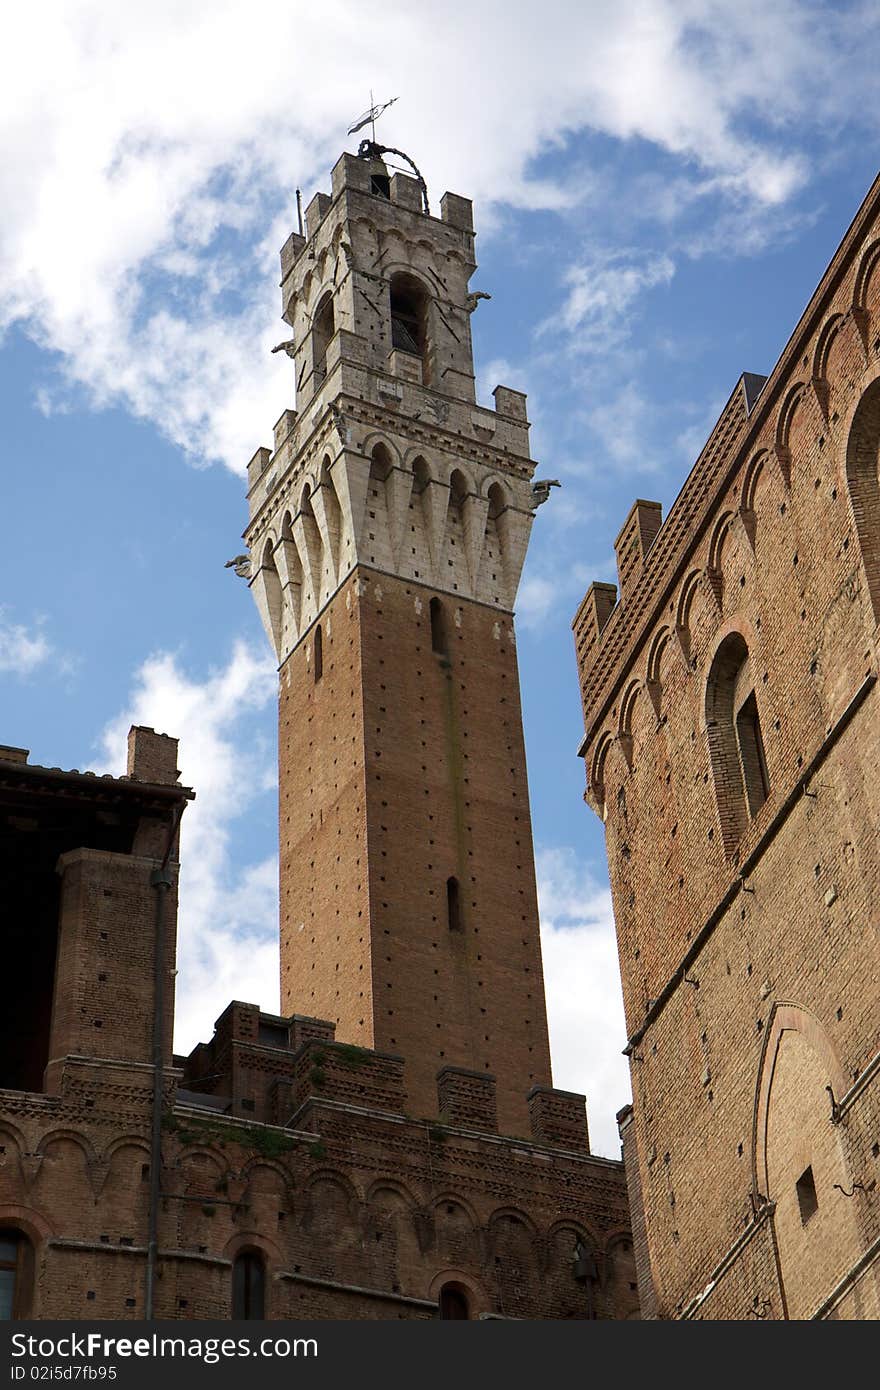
x: 438, y: 627
x: 863, y: 476
x: 323, y: 329
x: 319, y: 653
x: 453, y: 904
x: 454, y: 1303
x: 249, y: 1286
x: 736, y: 744
x: 409, y: 317
x: 16, y: 1275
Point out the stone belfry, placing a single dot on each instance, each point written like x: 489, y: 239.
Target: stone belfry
x: 388, y: 529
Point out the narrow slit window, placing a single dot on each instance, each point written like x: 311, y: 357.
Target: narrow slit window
x: 319, y: 653
x: 249, y: 1287
x: 808, y: 1202
x: 438, y: 627
x: 453, y: 904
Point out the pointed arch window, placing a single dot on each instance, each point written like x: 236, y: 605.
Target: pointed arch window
x: 736, y: 742
x: 16, y: 1275
x: 249, y: 1286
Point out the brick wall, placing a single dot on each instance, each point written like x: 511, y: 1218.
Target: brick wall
x: 732, y: 915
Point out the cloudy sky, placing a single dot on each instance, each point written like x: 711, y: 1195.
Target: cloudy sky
x: 658, y: 187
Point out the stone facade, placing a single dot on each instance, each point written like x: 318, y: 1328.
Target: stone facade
x: 392, y: 1146
x: 732, y: 731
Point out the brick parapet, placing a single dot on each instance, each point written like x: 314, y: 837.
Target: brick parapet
x: 467, y: 1098
x: 608, y: 643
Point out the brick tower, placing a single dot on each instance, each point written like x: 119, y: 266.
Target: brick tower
x: 388, y: 529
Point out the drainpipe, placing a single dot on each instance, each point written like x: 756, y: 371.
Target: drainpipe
x: 160, y: 881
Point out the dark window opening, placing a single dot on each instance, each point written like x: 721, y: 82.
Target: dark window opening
x: 323, y: 329
x: 806, y: 1195
x: 751, y: 752
x: 249, y: 1286
x: 736, y: 744
x: 453, y: 904
x: 453, y: 1303
x: 380, y: 184
x: 319, y: 653
x: 408, y: 316
x: 438, y: 627
x: 16, y: 1275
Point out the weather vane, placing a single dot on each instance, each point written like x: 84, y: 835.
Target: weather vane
x: 369, y: 149
x: 371, y: 116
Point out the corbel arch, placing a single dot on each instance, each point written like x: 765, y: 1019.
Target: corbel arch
x: 867, y: 265
x: 714, y: 573
x: 784, y: 419
x: 624, y: 724
x: 686, y: 597
x: 653, y: 682
x: 824, y: 339
x: 751, y: 478
x: 596, y: 776
x: 863, y: 485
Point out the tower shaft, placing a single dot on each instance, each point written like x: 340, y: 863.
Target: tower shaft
x: 388, y: 530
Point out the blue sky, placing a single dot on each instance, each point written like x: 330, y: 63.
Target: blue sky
x: 658, y: 188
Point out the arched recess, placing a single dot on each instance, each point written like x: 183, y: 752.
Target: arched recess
x: 290, y: 572
x: 863, y: 481
x: 783, y: 427
x: 798, y: 1160
x: 683, y: 612
x: 501, y: 564
x: 307, y: 535
x: 825, y: 338
x: 747, y: 509
x: 714, y: 572
x: 596, y: 777
x: 654, y: 670
x: 735, y: 738
x: 328, y: 514
x: 465, y: 531
x: 869, y: 263
x: 430, y: 501
x: 625, y: 724
x: 266, y: 588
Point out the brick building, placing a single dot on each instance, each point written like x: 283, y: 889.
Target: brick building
x: 392, y: 1146
x: 732, y: 738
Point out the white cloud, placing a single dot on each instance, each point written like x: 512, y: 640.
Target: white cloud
x: 604, y: 288
x: 152, y: 154
x: 584, y: 1001
x: 22, y: 650
x: 228, y: 918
